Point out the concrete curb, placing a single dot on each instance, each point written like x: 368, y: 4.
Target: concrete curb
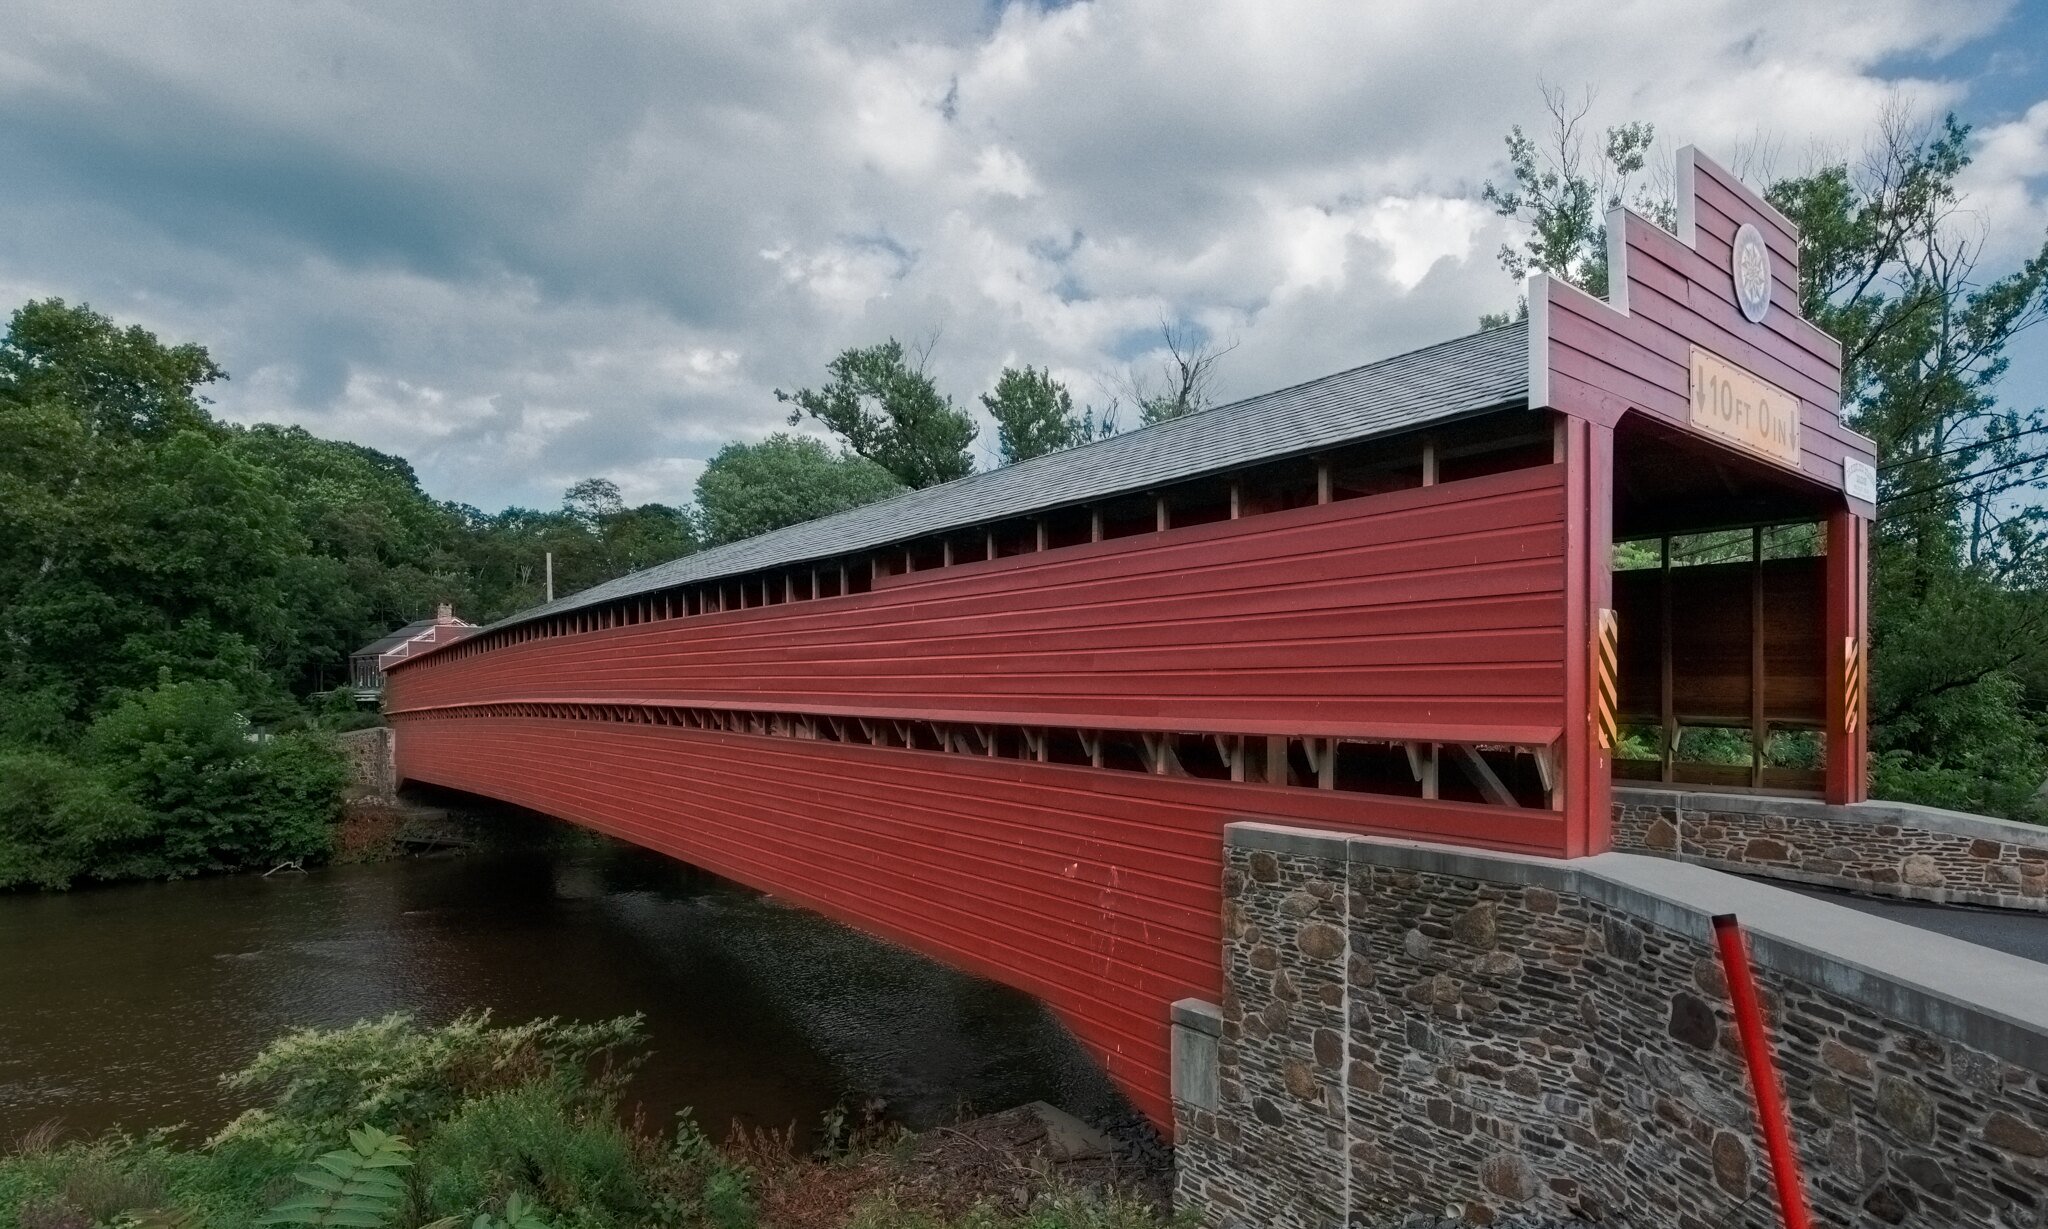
x: 1903, y: 814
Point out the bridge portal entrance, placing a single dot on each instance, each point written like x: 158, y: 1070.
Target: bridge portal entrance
x: 1735, y: 589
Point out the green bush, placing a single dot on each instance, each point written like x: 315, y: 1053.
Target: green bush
x: 1975, y: 749
x: 104, y: 1180
x: 361, y: 1186
x: 537, y: 1141
x: 396, y: 1076
x: 170, y: 782
x: 61, y: 820
x: 220, y: 795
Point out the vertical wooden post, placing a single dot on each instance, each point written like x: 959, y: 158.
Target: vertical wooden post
x: 1162, y: 518
x: 1428, y: 461
x: 1589, y: 519
x: 1667, y: 700
x: 1095, y: 524
x: 1323, y: 491
x: 1276, y: 760
x: 1847, y: 650
x: 1236, y: 499
x: 1044, y: 534
x: 1759, y: 728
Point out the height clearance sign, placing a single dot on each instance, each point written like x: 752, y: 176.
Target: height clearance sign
x: 1733, y: 404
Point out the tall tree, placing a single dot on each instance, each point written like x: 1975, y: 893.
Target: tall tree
x: 118, y: 381
x: 592, y: 501
x: 1035, y: 415
x: 1561, y: 194
x: 1184, y: 380
x: 131, y: 541
x: 889, y: 410
x: 749, y: 489
x: 1890, y: 264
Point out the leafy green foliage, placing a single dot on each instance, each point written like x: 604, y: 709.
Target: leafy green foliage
x: 170, y: 782
x: 892, y: 413
x: 541, y: 1140
x: 394, y: 1074
x: 217, y: 796
x: 357, y: 1187
x: 1035, y: 415
x: 519, y: 1214
x: 749, y: 489
x: 1959, y: 635
x: 1562, y: 194
x: 502, y: 1128
x: 171, y: 587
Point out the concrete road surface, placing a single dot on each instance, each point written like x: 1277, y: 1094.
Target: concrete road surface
x: 2022, y: 934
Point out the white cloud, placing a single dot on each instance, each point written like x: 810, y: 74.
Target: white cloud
x: 520, y: 250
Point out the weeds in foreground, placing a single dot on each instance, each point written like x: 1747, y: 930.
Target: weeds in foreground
x: 390, y: 1125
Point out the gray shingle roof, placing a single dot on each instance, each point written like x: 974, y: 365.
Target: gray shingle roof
x: 384, y: 644
x: 1452, y: 379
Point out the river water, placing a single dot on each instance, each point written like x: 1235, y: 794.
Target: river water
x: 124, y: 1005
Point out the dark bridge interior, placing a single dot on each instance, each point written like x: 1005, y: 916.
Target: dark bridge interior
x: 1720, y: 587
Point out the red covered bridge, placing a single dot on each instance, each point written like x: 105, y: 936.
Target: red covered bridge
x: 1003, y: 721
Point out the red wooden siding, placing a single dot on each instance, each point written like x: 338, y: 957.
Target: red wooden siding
x: 1096, y: 891
x: 1432, y: 613
x: 1604, y: 361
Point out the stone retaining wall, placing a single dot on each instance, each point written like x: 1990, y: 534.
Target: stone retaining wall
x: 373, y: 773
x: 1880, y: 848
x: 1417, y: 1035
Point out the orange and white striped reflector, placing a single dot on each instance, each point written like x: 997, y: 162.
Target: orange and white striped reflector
x: 1606, y: 676
x: 1852, y: 683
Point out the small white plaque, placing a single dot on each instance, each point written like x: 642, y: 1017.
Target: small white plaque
x: 1859, y: 480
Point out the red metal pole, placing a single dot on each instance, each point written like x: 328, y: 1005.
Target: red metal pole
x: 1763, y: 1073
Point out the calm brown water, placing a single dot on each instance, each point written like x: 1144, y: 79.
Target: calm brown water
x: 124, y: 1005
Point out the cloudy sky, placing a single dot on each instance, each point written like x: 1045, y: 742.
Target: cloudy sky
x: 522, y: 243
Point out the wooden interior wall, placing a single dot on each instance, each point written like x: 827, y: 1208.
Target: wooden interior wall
x: 1712, y: 638
x: 1433, y: 613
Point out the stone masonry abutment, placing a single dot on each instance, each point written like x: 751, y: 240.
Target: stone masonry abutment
x: 1420, y: 1035
x: 1876, y: 848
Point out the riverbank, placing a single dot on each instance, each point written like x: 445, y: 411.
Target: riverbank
x: 125, y: 1002
x: 522, y: 1125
